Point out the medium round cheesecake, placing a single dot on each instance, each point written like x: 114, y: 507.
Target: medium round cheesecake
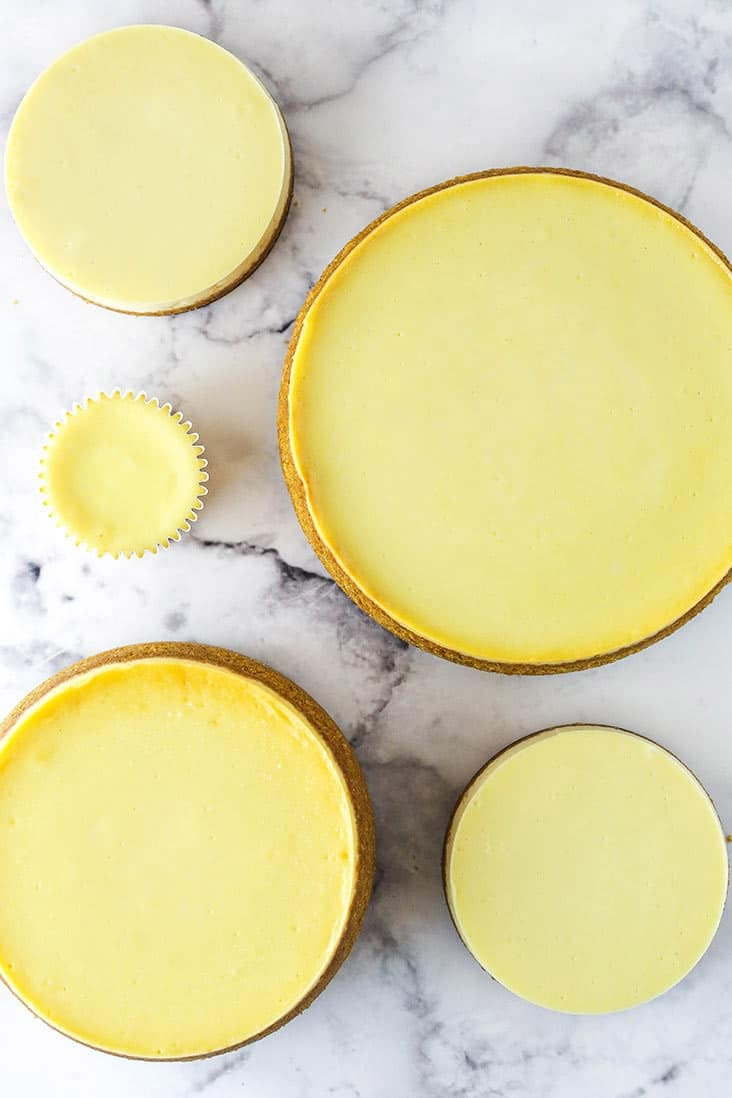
x: 149, y: 170
x: 186, y: 851
x: 504, y: 420
x: 586, y: 869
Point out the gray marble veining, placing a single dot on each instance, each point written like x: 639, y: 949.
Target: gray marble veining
x: 382, y: 98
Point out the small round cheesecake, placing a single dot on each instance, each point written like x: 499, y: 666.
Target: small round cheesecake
x: 149, y: 170
x: 585, y: 868
x: 122, y: 475
x: 504, y: 420
x: 186, y: 851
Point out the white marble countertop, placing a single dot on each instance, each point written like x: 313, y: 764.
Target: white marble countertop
x: 382, y: 97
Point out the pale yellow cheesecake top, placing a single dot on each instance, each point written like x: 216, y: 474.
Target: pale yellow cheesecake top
x: 509, y: 413
x: 177, y: 857
x: 147, y: 168
x: 122, y: 475
x: 586, y: 869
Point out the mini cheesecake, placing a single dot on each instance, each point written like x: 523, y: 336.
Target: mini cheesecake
x: 122, y: 475
x: 585, y: 869
x: 186, y: 851
x: 504, y: 420
x: 149, y: 170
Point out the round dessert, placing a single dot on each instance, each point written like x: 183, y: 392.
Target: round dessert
x: 122, y: 475
x: 504, y: 420
x: 586, y: 869
x: 148, y: 170
x: 186, y: 851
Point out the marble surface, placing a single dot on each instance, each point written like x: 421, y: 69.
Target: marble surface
x: 382, y: 97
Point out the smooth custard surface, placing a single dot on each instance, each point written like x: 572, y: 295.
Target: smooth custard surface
x: 509, y: 413
x: 586, y: 869
x: 177, y: 852
x: 147, y: 168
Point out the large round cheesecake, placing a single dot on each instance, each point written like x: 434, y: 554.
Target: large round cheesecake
x: 504, y: 420
x: 186, y: 851
x: 149, y: 170
x: 586, y: 869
